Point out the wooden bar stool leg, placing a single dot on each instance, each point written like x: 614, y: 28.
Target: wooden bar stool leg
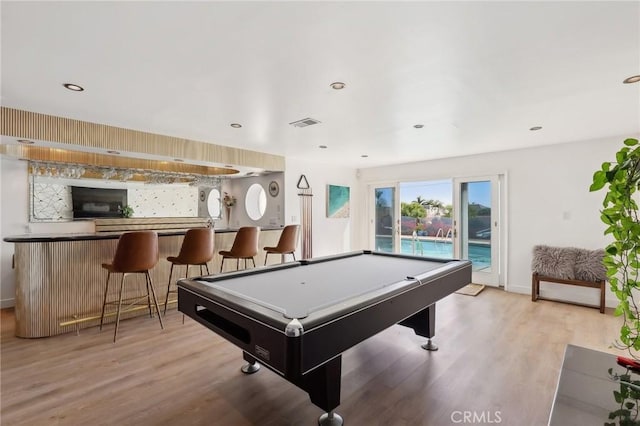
x: 265, y: 258
x: 115, y: 332
x: 206, y: 265
x: 155, y: 300
x: 148, y: 299
x: 221, y: 264
x: 166, y: 299
x: 237, y: 264
x: 104, y: 301
x: 254, y: 263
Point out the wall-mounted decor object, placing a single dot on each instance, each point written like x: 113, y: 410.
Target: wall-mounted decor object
x: 337, y: 201
x: 274, y: 188
x: 306, y: 219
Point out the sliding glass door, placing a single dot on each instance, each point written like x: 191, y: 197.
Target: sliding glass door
x: 385, y: 222
x: 450, y: 218
x: 477, y: 226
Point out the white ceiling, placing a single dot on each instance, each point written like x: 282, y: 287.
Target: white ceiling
x: 478, y: 75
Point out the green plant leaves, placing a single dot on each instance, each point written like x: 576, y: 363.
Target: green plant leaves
x: 622, y: 256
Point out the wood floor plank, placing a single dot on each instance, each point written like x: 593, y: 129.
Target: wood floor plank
x: 497, y: 350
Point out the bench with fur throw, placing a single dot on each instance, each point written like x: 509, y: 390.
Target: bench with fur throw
x: 568, y: 265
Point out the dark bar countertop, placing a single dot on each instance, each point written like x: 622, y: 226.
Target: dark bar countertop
x: 52, y: 237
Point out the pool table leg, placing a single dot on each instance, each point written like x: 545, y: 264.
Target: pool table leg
x: 424, y: 324
x: 330, y: 419
x: 251, y: 366
x: 323, y: 386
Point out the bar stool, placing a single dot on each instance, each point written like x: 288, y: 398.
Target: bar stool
x: 245, y: 246
x: 196, y: 249
x: 286, y: 244
x: 136, y: 253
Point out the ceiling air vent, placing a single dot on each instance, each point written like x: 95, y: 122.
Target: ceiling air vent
x: 305, y: 122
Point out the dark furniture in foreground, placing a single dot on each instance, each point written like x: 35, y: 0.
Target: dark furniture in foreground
x: 587, y: 394
x: 297, y: 318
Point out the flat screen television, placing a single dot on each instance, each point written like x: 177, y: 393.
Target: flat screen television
x: 97, y: 202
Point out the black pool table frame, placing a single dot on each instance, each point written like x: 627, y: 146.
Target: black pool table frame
x: 309, y: 356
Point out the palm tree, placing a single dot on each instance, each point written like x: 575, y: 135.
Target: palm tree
x: 380, y: 202
x: 420, y: 200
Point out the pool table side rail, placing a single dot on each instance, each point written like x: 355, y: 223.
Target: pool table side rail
x: 275, y: 317
x: 321, y: 316
x: 322, y: 342
x: 256, y: 329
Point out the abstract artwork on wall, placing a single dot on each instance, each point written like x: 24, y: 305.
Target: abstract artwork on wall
x: 337, y: 201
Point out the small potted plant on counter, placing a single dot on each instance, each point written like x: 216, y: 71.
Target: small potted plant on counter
x: 126, y: 211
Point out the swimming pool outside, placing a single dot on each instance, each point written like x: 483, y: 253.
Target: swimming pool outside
x: 479, y: 254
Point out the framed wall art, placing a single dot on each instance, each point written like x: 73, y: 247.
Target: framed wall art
x: 338, y: 201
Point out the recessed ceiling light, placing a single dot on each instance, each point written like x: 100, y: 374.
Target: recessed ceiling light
x: 25, y: 141
x: 113, y: 152
x: 236, y: 125
x: 632, y: 79
x: 534, y: 128
x: 228, y: 165
x: 322, y: 146
x: 418, y: 126
x: 364, y: 156
x: 73, y: 87
x: 337, y: 85
x: 178, y: 160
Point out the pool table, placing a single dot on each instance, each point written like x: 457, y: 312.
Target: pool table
x: 297, y: 318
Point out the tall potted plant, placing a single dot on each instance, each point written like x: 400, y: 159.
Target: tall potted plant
x: 620, y: 214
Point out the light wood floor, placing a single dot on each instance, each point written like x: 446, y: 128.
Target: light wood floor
x: 498, y: 352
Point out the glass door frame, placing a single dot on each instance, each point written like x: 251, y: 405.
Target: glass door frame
x: 395, y: 223
x: 493, y: 278
x: 499, y: 220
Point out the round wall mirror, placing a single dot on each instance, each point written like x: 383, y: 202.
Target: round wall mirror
x: 255, y: 201
x: 213, y: 203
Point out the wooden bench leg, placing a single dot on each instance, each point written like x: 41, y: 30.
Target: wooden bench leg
x: 535, y: 287
x: 602, y: 294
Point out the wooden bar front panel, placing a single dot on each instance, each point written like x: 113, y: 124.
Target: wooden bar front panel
x: 59, y: 280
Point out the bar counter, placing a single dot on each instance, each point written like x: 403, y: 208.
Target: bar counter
x: 60, y: 281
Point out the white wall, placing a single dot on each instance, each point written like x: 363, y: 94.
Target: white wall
x: 547, y: 196
x: 274, y: 209
x: 329, y: 236
x: 13, y: 219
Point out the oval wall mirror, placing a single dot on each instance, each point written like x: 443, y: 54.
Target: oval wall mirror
x: 255, y: 201
x: 213, y: 203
